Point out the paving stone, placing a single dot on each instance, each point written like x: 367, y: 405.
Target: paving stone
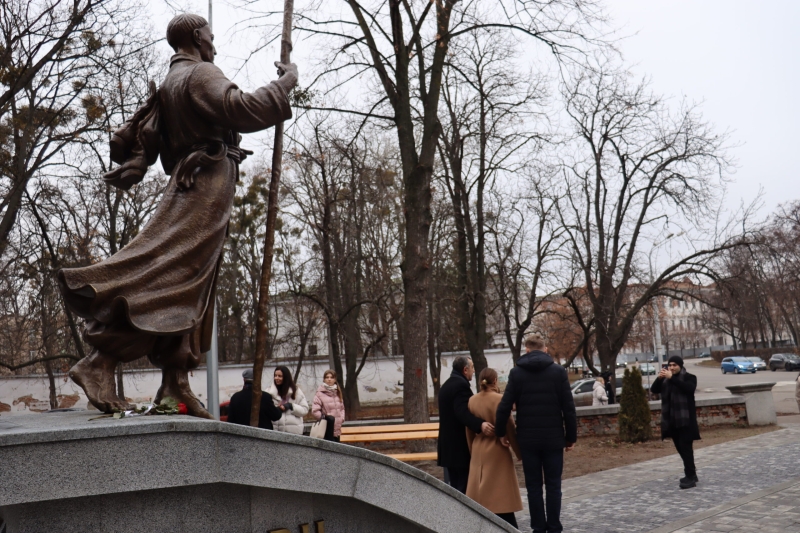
x: 644, y: 497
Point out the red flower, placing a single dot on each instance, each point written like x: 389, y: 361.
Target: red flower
x: 182, y: 410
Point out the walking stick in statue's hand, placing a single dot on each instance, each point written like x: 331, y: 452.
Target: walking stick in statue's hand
x: 269, y: 239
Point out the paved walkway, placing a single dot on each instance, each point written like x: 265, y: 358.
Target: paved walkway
x: 747, y: 485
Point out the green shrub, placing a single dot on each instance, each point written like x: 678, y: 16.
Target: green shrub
x: 634, y: 411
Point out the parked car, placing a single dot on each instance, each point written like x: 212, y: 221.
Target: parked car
x: 792, y: 362
x: 779, y: 360
x: 647, y: 368
x: 737, y: 365
x: 704, y: 355
x: 582, y: 391
x: 758, y: 363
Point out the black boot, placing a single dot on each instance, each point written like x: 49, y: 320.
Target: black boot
x: 688, y: 482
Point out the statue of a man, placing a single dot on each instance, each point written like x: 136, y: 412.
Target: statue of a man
x: 155, y: 297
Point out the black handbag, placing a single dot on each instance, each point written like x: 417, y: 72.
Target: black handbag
x: 329, y: 429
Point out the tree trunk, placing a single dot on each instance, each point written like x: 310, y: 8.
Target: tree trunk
x: 434, y: 355
x: 120, y: 383
x: 416, y: 272
x: 52, y: 382
x: 352, y: 342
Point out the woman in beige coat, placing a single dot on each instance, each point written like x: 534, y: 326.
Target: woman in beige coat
x: 493, y: 479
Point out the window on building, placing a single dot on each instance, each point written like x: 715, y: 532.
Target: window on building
x: 312, y: 349
x: 673, y: 325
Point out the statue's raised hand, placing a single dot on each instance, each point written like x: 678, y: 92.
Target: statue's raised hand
x: 288, y: 75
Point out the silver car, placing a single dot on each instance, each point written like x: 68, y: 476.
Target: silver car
x: 758, y: 363
x: 582, y: 391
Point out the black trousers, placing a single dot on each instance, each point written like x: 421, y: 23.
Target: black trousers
x: 683, y: 438
x: 457, y: 478
x: 509, y: 517
x: 544, y: 467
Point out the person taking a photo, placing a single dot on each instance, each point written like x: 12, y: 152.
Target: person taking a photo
x: 678, y: 414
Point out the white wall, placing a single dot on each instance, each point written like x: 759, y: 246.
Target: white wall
x: 379, y: 382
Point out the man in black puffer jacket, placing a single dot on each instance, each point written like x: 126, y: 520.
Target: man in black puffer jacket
x: 546, y: 426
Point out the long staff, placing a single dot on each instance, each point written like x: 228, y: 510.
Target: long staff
x: 269, y: 239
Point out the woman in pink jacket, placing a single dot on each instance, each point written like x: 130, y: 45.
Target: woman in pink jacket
x: 328, y: 402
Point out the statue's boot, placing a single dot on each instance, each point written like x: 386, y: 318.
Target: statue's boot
x: 175, y: 384
x: 95, y: 375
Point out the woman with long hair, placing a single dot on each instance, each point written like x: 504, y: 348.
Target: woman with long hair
x: 493, y: 479
x: 328, y: 401
x: 290, y: 400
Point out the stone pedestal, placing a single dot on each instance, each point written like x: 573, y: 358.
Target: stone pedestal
x: 759, y: 401
x: 63, y: 472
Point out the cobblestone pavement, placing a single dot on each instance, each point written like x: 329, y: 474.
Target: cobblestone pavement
x: 746, y: 485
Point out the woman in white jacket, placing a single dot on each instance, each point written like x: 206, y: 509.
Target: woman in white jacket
x: 289, y: 399
x: 599, y: 395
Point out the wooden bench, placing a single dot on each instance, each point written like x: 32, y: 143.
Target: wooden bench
x: 399, y: 432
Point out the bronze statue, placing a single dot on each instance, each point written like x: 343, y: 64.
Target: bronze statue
x: 155, y: 297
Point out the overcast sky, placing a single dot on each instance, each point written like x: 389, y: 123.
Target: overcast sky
x: 739, y: 58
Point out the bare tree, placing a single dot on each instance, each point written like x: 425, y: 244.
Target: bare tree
x: 526, y: 248
x: 488, y: 134
x: 636, y: 165
x: 401, y: 48
x: 52, y: 52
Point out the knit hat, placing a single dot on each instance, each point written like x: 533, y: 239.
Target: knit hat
x: 247, y: 374
x: 677, y: 359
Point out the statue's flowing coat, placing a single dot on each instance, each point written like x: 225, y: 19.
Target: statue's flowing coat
x: 162, y: 282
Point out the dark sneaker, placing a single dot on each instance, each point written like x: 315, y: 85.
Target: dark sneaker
x: 688, y: 482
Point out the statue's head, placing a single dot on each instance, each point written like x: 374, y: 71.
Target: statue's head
x: 188, y: 32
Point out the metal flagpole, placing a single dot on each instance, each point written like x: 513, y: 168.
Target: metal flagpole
x: 212, y: 357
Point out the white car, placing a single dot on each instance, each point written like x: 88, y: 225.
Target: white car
x: 759, y: 363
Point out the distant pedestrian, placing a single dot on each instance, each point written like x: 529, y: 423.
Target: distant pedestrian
x: 610, y: 389
x: 678, y: 414
x: 328, y: 401
x: 546, y: 426
x: 493, y: 479
x: 290, y: 400
x: 599, y: 394
x: 454, y: 418
x: 241, y: 402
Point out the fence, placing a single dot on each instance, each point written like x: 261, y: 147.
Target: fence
x: 763, y: 353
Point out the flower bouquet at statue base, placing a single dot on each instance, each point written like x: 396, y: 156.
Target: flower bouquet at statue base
x: 167, y: 406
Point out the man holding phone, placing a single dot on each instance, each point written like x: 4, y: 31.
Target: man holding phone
x: 678, y: 413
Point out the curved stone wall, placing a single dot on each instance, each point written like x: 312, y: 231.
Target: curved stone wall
x: 63, y: 472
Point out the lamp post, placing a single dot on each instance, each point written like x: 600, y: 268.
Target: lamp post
x: 212, y: 356
x: 656, y: 318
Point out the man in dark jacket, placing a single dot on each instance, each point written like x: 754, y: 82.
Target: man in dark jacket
x: 454, y: 418
x: 678, y: 414
x: 610, y: 387
x: 546, y: 426
x: 239, y: 408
